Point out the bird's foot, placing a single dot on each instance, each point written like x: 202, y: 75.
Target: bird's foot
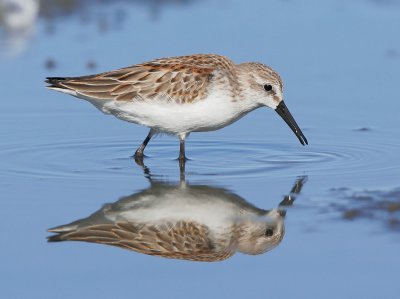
x: 182, y: 162
x: 138, y: 156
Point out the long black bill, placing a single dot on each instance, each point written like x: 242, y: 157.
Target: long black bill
x: 283, y: 112
x: 289, y: 199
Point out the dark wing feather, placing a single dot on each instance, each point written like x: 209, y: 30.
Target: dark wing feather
x: 180, y: 240
x: 181, y: 79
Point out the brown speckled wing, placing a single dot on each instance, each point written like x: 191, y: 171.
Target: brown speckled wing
x: 181, y: 79
x: 179, y: 240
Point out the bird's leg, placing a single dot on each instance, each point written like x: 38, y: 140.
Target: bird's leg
x: 182, y: 138
x: 139, y: 152
x: 290, y: 198
x: 146, y: 170
x: 182, y: 158
x: 182, y: 150
x: 182, y: 177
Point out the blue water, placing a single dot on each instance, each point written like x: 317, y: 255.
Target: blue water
x: 61, y: 160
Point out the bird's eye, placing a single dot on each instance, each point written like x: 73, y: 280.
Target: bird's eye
x: 268, y: 87
x: 269, y: 232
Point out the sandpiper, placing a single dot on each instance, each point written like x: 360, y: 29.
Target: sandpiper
x: 183, y: 221
x: 180, y: 95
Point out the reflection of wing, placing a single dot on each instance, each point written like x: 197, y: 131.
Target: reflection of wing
x: 179, y: 240
x: 181, y: 79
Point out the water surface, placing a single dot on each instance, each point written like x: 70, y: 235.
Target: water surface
x: 61, y: 160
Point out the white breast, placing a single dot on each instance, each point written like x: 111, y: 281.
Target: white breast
x: 180, y: 205
x: 214, y: 112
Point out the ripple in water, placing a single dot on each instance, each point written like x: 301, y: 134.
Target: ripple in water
x: 111, y: 159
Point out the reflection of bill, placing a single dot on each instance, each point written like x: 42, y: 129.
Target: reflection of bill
x: 17, y: 20
x: 191, y: 222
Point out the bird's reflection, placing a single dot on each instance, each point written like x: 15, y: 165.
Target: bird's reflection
x: 183, y: 221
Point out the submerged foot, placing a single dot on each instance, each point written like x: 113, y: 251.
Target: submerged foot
x: 139, y: 158
x: 182, y: 162
x: 138, y: 153
x: 182, y: 158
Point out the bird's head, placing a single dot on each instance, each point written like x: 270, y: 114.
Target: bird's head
x: 261, y: 234
x: 264, y: 86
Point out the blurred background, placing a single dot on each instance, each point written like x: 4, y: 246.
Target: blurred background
x: 61, y: 160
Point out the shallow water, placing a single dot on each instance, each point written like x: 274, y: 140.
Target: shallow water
x: 61, y: 160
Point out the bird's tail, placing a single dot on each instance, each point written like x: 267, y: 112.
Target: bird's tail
x: 54, y: 81
x: 61, y: 232
x: 60, y: 84
x: 92, y: 86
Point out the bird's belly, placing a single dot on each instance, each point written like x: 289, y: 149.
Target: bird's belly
x: 181, y: 205
x: 205, y: 115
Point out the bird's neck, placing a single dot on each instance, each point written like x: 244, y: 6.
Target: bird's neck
x: 245, y: 96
